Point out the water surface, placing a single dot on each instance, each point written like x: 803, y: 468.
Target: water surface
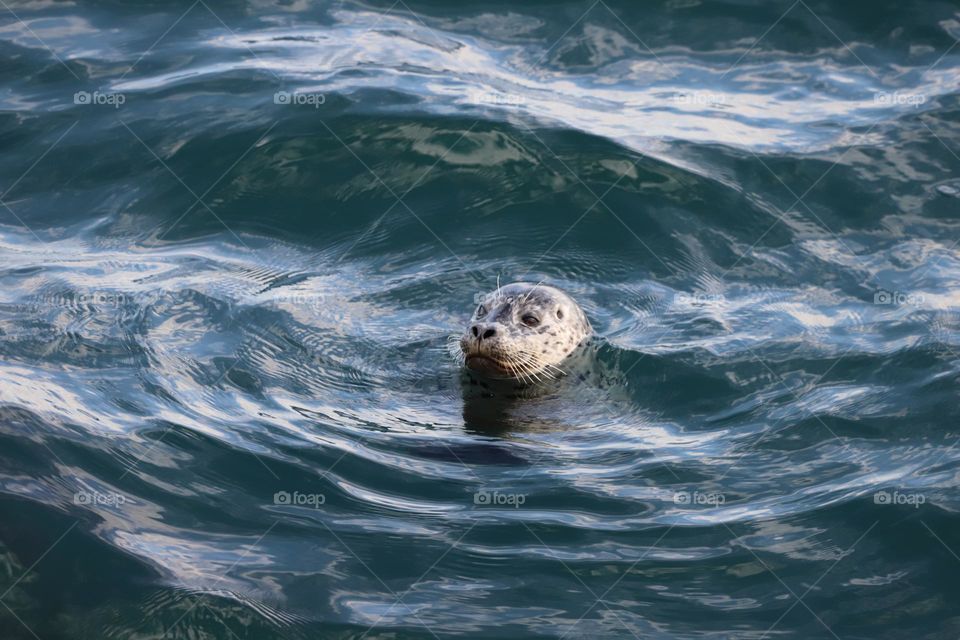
x: 236, y: 238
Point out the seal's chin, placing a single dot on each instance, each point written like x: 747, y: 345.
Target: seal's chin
x: 488, y: 366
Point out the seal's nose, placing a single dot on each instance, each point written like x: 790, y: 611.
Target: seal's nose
x: 482, y: 333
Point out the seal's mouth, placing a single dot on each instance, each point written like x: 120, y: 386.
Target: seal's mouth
x: 490, y: 366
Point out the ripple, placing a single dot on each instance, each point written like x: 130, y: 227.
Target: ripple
x: 242, y: 412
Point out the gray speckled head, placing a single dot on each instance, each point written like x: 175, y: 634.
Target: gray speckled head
x: 523, y: 331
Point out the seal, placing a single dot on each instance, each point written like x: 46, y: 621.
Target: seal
x: 523, y: 332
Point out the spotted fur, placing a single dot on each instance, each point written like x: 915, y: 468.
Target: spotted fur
x: 523, y: 332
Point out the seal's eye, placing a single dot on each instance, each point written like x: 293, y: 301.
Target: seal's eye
x: 530, y: 320
x: 560, y: 314
x: 481, y: 311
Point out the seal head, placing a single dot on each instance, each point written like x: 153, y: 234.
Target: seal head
x: 523, y: 331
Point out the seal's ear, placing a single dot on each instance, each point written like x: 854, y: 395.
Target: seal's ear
x: 559, y: 313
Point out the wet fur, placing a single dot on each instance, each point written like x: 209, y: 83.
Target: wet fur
x: 516, y: 354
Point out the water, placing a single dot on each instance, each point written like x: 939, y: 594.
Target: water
x: 238, y: 235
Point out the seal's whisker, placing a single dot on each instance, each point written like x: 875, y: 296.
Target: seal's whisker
x: 536, y: 360
x: 521, y: 365
x: 550, y: 365
x: 453, y: 348
x: 532, y: 373
x: 552, y: 371
x: 522, y: 373
x: 532, y: 365
x: 525, y: 377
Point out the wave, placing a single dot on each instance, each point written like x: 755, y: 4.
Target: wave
x: 645, y: 100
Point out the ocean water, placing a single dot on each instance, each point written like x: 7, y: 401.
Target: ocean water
x: 235, y: 238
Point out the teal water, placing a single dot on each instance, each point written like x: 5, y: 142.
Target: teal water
x: 236, y: 237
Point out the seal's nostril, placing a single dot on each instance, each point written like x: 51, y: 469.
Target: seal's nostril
x: 474, y: 331
x: 489, y: 333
